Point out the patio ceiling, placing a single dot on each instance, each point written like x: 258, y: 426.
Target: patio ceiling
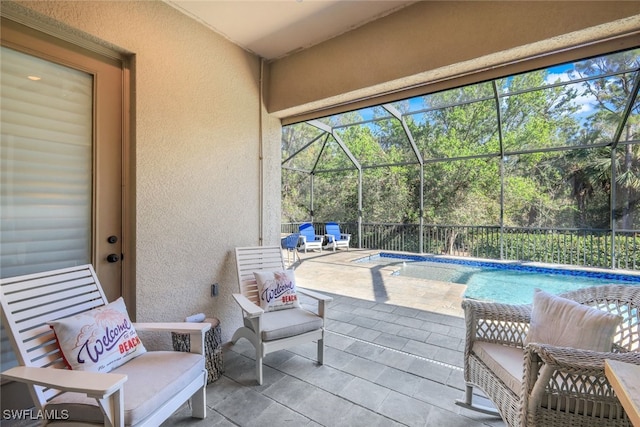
x: 272, y: 29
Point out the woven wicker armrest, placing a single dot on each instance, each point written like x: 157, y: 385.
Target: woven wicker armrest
x: 568, y: 373
x: 497, y: 311
x: 576, y: 361
x: 499, y: 323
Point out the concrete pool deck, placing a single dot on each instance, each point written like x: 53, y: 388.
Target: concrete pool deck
x: 336, y: 272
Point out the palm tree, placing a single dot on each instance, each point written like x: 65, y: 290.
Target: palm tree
x: 611, y: 90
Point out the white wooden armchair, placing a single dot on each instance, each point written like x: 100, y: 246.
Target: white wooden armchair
x: 270, y: 331
x: 143, y: 392
x: 545, y: 385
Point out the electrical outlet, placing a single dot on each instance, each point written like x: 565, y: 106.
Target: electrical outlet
x: 214, y: 290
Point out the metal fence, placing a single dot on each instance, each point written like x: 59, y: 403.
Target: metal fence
x: 579, y: 247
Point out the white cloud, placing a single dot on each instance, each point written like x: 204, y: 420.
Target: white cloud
x: 586, y: 102
x: 555, y: 77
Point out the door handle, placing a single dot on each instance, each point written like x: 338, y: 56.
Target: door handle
x: 113, y: 258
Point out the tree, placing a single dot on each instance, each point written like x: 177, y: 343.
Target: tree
x: 610, y: 94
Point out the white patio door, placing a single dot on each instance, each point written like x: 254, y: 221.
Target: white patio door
x: 61, y: 158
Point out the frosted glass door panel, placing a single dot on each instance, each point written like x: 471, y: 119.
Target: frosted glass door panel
x: 46, y: 165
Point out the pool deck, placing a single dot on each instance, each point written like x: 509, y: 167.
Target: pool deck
x: 393, y: 357
x: 336, y: 272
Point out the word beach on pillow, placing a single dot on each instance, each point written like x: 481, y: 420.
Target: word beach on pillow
x: 98, y: 340
x: 277, y: 290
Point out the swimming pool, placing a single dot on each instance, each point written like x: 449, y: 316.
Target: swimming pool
x: 510, y: 282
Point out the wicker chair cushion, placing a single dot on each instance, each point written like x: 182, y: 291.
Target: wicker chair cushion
x: 146, y: 388
x: 566, y: 323
x: 288, y: 323
x: 505, y: 362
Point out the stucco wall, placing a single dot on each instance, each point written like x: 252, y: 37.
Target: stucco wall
x: 432, y: 40
x: 197, y: 132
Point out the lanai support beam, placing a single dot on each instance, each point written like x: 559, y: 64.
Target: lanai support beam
x: 501, y: 163
x: 616, y: 140
x: 395, y: 113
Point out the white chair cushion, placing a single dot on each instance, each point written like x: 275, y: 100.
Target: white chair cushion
x: 288, y: 323
x: 153, y: 378
x: 566, y: 323
x: 504, y: 361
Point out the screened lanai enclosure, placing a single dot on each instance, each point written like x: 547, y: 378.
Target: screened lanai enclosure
x: 540, y: 166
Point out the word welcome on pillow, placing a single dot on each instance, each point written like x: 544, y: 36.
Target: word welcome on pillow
x: 566, y: 323
x: 277, y: 290
x: 98, y: 340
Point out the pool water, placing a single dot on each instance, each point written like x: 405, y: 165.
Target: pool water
x: 507, y: 283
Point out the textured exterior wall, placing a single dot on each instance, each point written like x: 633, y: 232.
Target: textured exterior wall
x: 432, y: 40
x: 197, y: 133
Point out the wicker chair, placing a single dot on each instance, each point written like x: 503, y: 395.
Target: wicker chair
x: 560, y: 386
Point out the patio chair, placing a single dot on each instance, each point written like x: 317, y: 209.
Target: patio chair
x: 143, y: 391
x: 290, y: 244
x: 533, y: 383
x: 267, y: 326
x: 335, y: 238
x: 310, y: 240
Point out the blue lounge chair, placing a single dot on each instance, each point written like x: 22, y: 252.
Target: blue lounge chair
x: 310, y: 240
x: 336, y: 239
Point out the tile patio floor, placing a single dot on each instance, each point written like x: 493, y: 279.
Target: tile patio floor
x: 393, y: 357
